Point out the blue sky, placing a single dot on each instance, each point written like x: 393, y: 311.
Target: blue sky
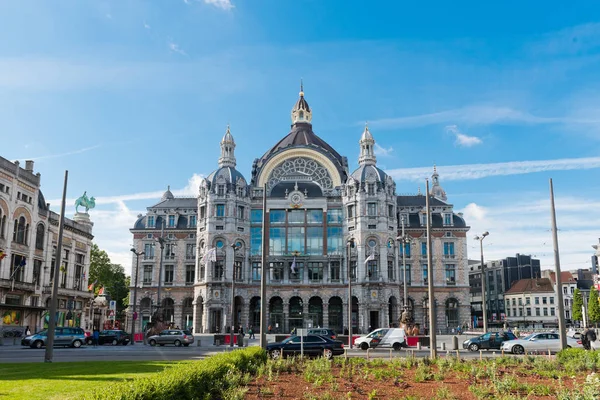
x: 132, y: 96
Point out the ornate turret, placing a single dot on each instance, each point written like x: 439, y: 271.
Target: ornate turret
x: 367, y: 148
x: 167, y: 195
x: 227, y: 158
x: 436, y: 189
x: 301, y: 111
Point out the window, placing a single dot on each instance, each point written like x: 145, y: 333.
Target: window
x: 277, y: 216
x: 407, y: 250
x: 220, y: 210
x: 334, y: 271
x: 528, y: 311
x: 202, y: 212
x: 147, y: 274
x: 424, y: 248
x: 256, y: 216
x: 335, y: 240
x: 564, y: 290
x: 277, y: 271
x: 148, y: 251
x: 192, y: 221
x: 551, y: 300
x: 390, y: 211
x: 255, y: 241
x: 537, y: 300
x: 171, y: 221
x: 315, y: 271
x: 448, y: 248
x: 391, y: 271
x: 545, y: 312
x: 350, y: 212
x: 295, y: 239
x: 314, y: 240
x: 237, y: 270
x: 277, y: 240
x: 21, y: 231
x: 220, y: 190
x: 169, y: 272
x: 240, y: 212
x: 2, y: 221
x: 202, y: 273
x: 537, y: 311
x: 373, y: 269
x: 190, y: 251
x: 423, y: 219
x: 447, y: 219
x: 170, y: 251
x: 371, y: 189
x: 189, y: 274
x: 240, y: 191
x: 425, y: 282
x: 297, y: 271
x: 408, y: 274
x: 218, y: 270
x: 37, y: 268
x: 552, y: 311
x: 151, y: 222
x: 295, y: 217
x: 334, y: 216
x: 256, y: 271
x: 39, y: 237
x: 514, y: 302
x: 544, y: 300
x: 450, y: 274
x: 372, y: 209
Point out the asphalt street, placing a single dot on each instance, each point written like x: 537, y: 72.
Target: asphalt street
x: 140, y: 352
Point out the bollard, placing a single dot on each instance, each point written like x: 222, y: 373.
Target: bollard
x: 368, y: 354
x: 443, y: 346
x: 502, y: 352
x: 494, y: 353
x: 480, y: 355
x: 419, y: 346
x: 391, y: 354
x: 346, y: 353
x: 413, y: 354
x: 454, y: 342
x: 198, y: 343
x: 457, y: 355
x: 549, y: 354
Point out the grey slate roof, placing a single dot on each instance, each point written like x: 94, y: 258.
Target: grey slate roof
x: 418, y: 201
x: 230, y: 174
x: 177, y: 202
x: 361, y: 173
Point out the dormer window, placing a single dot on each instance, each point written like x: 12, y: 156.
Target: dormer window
x: 423, y: 218
x: 447, y: 219
x: 220, y: 190
x: 240, y: 191
x: 371, y: 189
x: 151, y: 222
x: 171, y: 221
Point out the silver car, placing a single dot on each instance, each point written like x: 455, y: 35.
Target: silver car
x: 176, y: 337
x: 73, y: 337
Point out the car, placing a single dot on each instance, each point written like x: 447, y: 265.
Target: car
x: 112, y: 336
x: 323, y: 332
x: 546, y: 341
x: 68, y: 337
x: 176, y: 337
x: 383, y: 337
x: 490, y: 340
x: 311, y: 345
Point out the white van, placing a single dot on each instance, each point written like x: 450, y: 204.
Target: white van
x: 384, y: 337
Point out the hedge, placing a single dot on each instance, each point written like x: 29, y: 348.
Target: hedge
x: 205, y: 379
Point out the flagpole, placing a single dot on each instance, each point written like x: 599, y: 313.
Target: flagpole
x: 57, y: 261
x: 263, y: 275
x: 432, y: 310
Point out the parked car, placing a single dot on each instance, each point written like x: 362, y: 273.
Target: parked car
x: 176, y: 337
x: 490, y: 340
x: 73, y: 337
x: 313, y: 346
x: 538, y: 342
x: 323, y: 332
x: 383, y: 337
x: 112, y: 336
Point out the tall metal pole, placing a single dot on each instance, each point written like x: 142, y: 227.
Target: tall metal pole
x: 234, y: 247
x: 57, y: 261
x: 483, y: 286
x: 404, y: 266
x: 135, y: 287
x: 432, y: 311
x: 161, y: 242
x: 349, y: 246
x: 263, y: 275
x: 559, y: 293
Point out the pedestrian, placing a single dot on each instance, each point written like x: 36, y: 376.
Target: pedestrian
x: 96, y: 337
x: 251, y: 333
x: 242, y: 331
x: 587, y: 337
x: 270, y: 329
x: 27, y: 331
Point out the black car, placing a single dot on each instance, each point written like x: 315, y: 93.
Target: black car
x: 323, y: 332
x: 113, y: 336
x: 313, y: 346
x: 491, y: 340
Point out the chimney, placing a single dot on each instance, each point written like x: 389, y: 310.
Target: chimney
x: 29, y: 166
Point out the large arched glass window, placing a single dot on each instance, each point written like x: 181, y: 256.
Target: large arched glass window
x: 21, y: 230
x: 39, y: 237
x: 2, y: 223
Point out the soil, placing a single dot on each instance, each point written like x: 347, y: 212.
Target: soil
x: 365, y: 382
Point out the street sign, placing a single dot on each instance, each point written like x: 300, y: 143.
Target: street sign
x: 111, y: 314
x: 113, y: 305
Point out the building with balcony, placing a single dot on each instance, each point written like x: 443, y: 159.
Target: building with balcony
x: 324, y: 225
x: 28, y: 239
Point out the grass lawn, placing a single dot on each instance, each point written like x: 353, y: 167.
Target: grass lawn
x: 68, y: 380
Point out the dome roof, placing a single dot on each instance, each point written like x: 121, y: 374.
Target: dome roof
x: 369, y: 173
x: 167, y: 195
x: 366, y: 134
x: 228, y: 174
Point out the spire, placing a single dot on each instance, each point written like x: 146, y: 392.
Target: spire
x: 227, y: 158
x: 367, y: 148
x: 301, y: 111
x: 436, y: 189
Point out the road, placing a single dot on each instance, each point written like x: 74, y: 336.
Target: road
x: 139, y: 352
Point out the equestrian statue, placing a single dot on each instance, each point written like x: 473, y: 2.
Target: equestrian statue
x: 86, y: 202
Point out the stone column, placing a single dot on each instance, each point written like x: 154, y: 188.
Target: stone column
x: 286, y: 315
x: 325, y: 315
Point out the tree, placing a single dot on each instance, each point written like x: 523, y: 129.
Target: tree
x: 593, y: 306
x: 109, y: 276
x: 577, y: 305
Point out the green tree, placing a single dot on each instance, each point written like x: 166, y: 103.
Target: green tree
x: 109, y: 276
x: 577, y: 304
x: 593, y: 306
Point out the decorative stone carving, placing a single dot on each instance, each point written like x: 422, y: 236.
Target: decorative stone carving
x: 301, y: 169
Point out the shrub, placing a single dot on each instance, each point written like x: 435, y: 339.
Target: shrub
x: 206, y: 379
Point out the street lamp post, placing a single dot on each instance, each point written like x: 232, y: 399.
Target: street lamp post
x: 161, y: 241
x: 483, y: 281
x: 404, y: 240
x: 134, y: 317
x: 349, y: 244
x: 234, y: 247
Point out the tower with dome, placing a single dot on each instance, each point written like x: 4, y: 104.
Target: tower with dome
x: 315, y: 209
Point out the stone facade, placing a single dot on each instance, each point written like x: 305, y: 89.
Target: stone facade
x: 324, y: 224
x: 28, y: 239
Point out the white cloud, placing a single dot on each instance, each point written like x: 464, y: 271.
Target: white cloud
x: 174, y: 47
x: 223, y: 4
x: 462, y: 139
x: 70, y: 153
x: 146, y: 25
x: 382, y: 151
x: 478, y: 171
x: 524, y: 227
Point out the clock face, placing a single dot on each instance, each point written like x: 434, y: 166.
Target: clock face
x: 296, y: 198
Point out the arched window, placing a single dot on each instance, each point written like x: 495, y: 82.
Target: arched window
x: 21, y: 230
x: 2, y: 223
x: 39, y: 237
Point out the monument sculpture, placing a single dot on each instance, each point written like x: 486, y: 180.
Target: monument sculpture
x: 86, y: 202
